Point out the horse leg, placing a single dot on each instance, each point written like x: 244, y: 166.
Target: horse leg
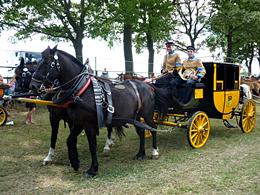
x: 155, y: 149
x: 92, y: 141
x: 72, y: 147
x: 54, y: 121
x: 141, y: 153
x: 109, y: 141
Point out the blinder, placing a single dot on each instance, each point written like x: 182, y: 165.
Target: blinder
x: 55, y: 68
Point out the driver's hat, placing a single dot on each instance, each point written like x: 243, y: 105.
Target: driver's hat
x: 169, y: 43
x: 190, y: 48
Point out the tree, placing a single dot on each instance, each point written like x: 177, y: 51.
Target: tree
x: 153, y: 26
x: 144, y: 23
x: 123, y: 14
x: 234, y: 28
x: 192, y: 20
x: 56, y: 19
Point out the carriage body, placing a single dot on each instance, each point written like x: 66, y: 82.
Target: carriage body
x: 3, y: 112
x: 220, y: 94
x: 217, y: 96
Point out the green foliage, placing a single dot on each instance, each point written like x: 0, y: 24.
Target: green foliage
x: 58, y: 19
x: 235, y: 26
x: 154, y: 21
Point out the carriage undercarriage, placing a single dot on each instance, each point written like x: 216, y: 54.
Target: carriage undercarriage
x: 198, y: 123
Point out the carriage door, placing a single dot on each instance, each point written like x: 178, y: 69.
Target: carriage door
x: 226, y: 88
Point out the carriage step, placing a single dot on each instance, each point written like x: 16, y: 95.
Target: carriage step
x: 228, y: 125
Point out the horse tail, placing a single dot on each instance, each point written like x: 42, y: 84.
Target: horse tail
x: 119, y: 131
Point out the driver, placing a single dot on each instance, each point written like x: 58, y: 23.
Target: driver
x: 170, y: 68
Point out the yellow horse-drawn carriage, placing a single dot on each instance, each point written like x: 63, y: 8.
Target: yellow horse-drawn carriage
x: 217, y: 96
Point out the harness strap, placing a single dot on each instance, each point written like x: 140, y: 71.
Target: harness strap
x: 99, y: 101
x: 134, y: 122
x: 137, y: 94
x: 110, y: 107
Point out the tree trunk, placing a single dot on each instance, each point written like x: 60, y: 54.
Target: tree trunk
x: 128, y: 49
x: 229, y: 47
x: 78, y: 46
x: 151, y: 54
x: 258, y: 58
x: 251, y: 59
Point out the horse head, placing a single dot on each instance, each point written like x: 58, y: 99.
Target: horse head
x: 55, y: 65
x: 23, y: 78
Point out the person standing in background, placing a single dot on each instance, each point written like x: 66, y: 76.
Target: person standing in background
x: 104, y: 74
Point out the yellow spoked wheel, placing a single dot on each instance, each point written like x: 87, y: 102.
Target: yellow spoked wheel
x: 198, y: 129
x: 3, y: 115
x: 248, y: 116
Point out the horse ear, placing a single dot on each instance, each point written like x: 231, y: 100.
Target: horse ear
x: 55, y: 48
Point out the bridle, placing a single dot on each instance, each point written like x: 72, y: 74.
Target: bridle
x: 55, y: 67
x: 42, y: 79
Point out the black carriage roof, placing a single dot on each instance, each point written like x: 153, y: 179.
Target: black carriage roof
x: 210, y: 65
x: 221, y: 63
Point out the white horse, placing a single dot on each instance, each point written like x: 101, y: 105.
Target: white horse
x: 247, y: 94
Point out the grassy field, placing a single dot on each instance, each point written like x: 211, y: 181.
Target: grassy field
x: 228, y: 164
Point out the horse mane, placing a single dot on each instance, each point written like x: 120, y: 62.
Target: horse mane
x: 71, y: 57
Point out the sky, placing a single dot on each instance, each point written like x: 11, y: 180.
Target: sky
x: 99, y: 54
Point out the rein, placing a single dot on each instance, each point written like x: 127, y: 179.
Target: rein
x: 54, y: 89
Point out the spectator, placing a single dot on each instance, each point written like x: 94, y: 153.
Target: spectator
x: 31, y: 109
x: 6, y: 101
x: 105, y: 74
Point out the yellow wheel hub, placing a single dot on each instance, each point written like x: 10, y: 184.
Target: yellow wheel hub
x: 198, y: 129
x: 248, y: 116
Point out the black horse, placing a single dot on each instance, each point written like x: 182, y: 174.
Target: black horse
x: 131, y: 100
x: 23, y: 75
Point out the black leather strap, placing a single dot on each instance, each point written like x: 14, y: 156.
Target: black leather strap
x: 110, y: 108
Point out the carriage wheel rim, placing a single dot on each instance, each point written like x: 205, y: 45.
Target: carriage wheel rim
x: 199, y: 130
x: 3, y: 116
x: 248, y: 117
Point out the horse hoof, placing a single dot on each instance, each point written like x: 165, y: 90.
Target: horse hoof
x: 139, y: 158
x: 89, y: 175
x: 75, y: 165
x: 44, y: 163
x: 155, y: 157
x: 106, y: 152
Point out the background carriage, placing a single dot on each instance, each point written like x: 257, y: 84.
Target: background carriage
x: 217, y: 96
x: 3, y: 112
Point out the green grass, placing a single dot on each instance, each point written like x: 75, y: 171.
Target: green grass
x: 228, y: 164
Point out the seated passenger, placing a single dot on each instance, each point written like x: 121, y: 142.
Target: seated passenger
x: 192, y: 71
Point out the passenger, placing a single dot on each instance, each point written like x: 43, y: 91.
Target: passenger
x: 192, y: 71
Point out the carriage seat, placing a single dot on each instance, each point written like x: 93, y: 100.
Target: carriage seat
x: 195, y: 85
x: 199, y: 85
